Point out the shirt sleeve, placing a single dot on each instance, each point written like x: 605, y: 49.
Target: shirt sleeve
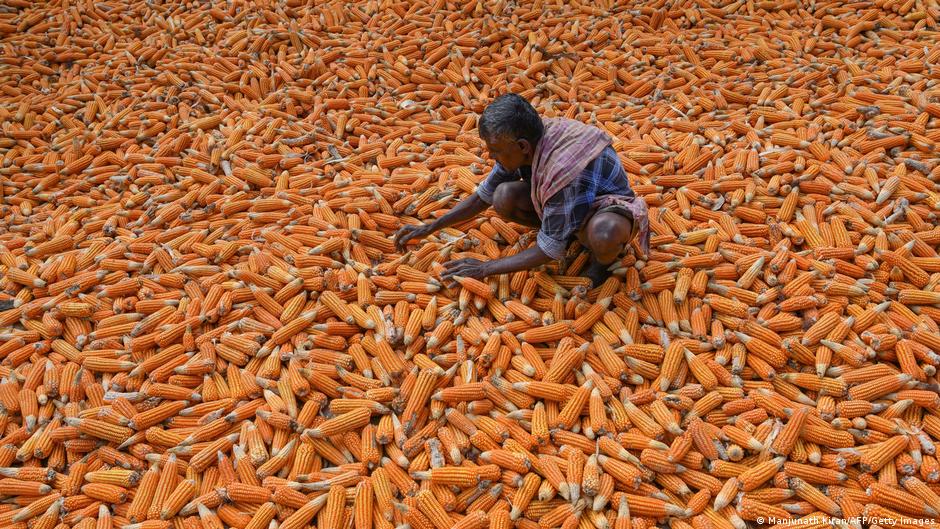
x: 562, y: 216
x: 488, y: 186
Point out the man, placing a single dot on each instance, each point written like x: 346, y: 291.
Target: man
x: 558, y: 175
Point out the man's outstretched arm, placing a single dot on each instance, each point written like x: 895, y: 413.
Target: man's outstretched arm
x: 524, y: 260
x: 466, y: 209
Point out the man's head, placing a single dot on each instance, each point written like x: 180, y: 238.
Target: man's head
x: 511, y: 128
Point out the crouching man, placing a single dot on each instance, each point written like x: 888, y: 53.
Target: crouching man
x: 558, y: 175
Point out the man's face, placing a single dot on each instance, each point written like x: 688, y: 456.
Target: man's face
x: 508, y: 152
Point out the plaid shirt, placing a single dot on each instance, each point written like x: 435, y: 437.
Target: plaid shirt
x: 565, y: 212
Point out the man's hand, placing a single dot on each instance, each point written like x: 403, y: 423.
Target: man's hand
x: 525, y: 260
x: 411, y: 231
x: 466, y: 268
x: 466, y: 209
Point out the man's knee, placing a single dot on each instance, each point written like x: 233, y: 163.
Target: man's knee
x: 508, y: 198
x: 608, y: 232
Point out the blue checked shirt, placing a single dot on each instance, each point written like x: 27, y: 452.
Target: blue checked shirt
x: 566, y: 211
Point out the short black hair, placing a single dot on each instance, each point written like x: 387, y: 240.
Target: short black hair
x: 513, y: 116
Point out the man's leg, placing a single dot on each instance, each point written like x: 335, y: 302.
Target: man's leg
x: 513, y: 202
x: 605, y: 236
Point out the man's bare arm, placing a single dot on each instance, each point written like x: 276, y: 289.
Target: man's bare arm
x: 524, y: 260
x: 466, y: 209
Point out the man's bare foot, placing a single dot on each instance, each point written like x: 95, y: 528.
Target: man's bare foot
x: 596, y: 272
